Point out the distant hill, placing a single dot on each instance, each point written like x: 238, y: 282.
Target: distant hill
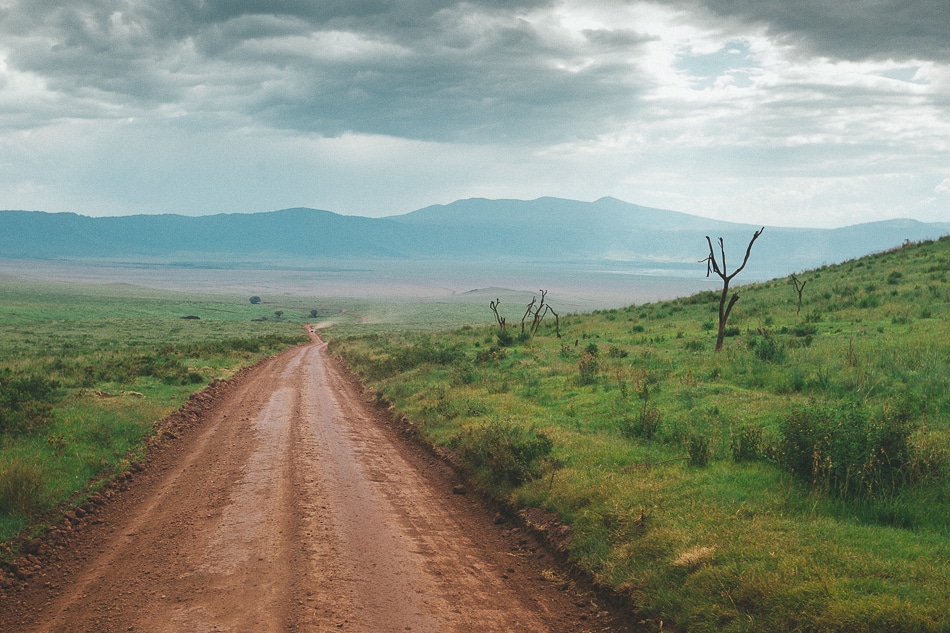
x: 604, y: 232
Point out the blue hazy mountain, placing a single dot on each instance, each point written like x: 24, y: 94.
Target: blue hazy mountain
x: 545, y: 230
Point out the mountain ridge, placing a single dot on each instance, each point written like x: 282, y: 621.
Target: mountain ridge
x: 606, y: 231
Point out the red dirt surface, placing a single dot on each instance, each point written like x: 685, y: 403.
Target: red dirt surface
x: 283, y: 500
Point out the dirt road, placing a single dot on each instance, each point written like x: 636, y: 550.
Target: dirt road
x: 290, y: 507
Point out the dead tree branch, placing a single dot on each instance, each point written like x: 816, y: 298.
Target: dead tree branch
x: 719, y: 267
x: 537, y: 312
x: 494, y: 308
x: 799, y: 287
x: 528, y: 311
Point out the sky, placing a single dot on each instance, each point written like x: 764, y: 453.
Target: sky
x: 819, y: 113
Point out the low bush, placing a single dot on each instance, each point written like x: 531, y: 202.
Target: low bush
x: 491, y: 355
x: 747, y: 444
x: 645, y: 425
x: 768, y: 348
x: 699, y: 448
x: 25, y: 403
x: 588, y: 369
x: 616, y: 352
x: 505, y: 338
x: 842, y: 451
x: 503, y: 454
x: 21, y: 488
x: 694, y: 346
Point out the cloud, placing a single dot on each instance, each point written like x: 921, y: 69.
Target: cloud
x: 689, y: 101
x: 424, y: 70
x: 855, y: 30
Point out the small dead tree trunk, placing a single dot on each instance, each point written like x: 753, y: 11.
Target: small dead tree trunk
x: 538, y: 313
x: 528, y: 311
x: 799, y: 287
x: 712, y: 265
x: 557, y: 321
x: 494, y: 308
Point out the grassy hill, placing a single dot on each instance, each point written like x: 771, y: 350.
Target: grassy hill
x: 796, y: 481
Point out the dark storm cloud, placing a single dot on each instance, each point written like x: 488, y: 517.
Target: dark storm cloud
x: 848, y: 29
x: 424, y: 70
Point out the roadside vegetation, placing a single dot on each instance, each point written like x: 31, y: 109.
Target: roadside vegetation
x: 798, y: 480
x: 86, y: 372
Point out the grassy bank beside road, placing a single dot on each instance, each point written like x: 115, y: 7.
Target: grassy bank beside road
x: 796, y: 481
x: 86, y: 371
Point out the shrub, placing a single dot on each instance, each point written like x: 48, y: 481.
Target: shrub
x: 588, y: 367
x: 21, y: 489
x: 25, y: 403
x: 412, y: 356
x: 616, y: 352
x: 505, y: 338
x: 503, y: 454
x: 645, y: 425
x: 747, y: 444
x: 814, y: 316
x: 842, y: 451
x: 491, y: 355
x: 463, y: 374
x: 796, y: 380
x: 805, y: 329
x: 694, y: 346
x: 768, y: 348
x: 699, y: 448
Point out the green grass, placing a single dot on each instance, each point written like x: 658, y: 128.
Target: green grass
x: 629, y: 396
x: 86, y: 371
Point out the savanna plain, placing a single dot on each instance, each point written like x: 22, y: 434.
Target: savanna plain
x: 796, y: 480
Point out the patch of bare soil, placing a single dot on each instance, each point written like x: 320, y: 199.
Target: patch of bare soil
x: 284, y: 501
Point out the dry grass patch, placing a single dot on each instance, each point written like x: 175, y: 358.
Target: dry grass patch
x: 695, y: 557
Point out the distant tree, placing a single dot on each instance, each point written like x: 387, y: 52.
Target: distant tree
x: 313, y: 314
x: 538, y: 313
x: 498, y: 318
x: 278, y: 313
x: 712, y: 265
x: 799, y: 287
x: 255, y: 300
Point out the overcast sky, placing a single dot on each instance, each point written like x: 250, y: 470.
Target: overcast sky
x: 787, y: 112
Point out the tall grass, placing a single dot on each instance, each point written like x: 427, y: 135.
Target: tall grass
x: 795, y: 481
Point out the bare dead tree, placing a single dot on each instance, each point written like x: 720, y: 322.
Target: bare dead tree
x: 712, y: 265
x: 494, y: 308
x: 799, y: 287
x: 537, y: 314
x: 557, y: 320
x: 529, y: 310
